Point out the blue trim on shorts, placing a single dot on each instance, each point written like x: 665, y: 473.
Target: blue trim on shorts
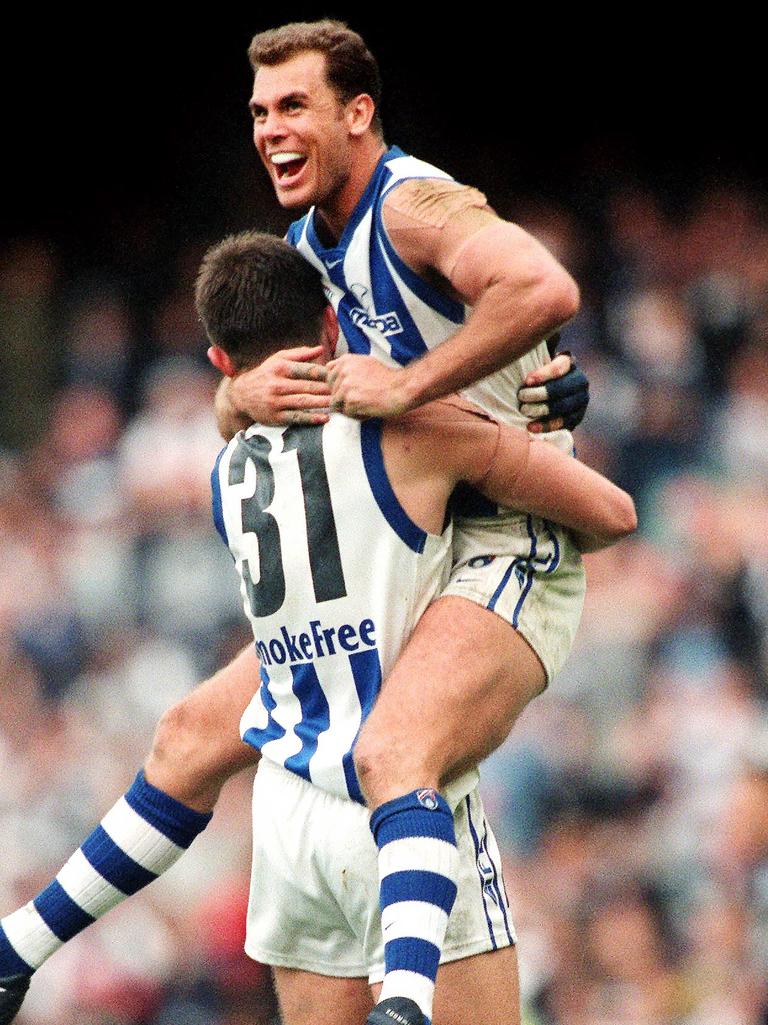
x: 476, y: 842
x: 496, y: 877
x: 530, y: 572
x: 504, y: 581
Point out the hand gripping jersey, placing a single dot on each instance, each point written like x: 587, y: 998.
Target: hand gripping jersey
x: 388, y: 311
x: 334, y: 576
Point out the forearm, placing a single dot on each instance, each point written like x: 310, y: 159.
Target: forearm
x: 501, y: 328
x: 229, y: 420
x: 560, y: 488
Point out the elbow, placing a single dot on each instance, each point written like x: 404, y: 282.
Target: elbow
x: 555, y: 295
x: 562, y: 296
x: 625, y: 520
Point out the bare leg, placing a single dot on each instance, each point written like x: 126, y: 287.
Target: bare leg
x: 479, y: 990
x: 197, y: 746
x: 452, y: 698
x: 310, y: 999
x: 196, y: 749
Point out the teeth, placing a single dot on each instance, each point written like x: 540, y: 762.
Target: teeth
x: 285, y: 158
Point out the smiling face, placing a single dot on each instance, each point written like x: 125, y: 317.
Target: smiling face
x: 304, y: 134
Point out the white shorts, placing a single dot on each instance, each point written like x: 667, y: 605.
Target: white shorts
x: 314, y: 901
x: 529, y: 572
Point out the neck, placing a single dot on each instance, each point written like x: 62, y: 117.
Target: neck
x: 336, y: 210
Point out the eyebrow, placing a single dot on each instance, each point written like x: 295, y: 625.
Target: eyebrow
x: 297, y: 94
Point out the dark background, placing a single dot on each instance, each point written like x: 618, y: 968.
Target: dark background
x: 111, y: 125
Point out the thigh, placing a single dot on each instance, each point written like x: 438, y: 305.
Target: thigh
x: 479, y: 990
x: 451, y: 699
x: 197, y: 744
x: 307, y: 998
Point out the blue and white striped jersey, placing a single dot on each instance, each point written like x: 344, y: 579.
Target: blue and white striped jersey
x: 334, y: 577
x: 388, y: 311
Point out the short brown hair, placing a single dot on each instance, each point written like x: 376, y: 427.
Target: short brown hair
x: 350, y: 67
x: 255, y: 294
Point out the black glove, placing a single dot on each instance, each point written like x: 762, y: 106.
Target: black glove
x: 565, y: 397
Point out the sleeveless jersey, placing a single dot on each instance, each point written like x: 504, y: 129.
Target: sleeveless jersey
x: 388, y: 311
x: 334, y: 576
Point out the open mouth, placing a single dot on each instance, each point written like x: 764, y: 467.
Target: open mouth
x: 287, y: 165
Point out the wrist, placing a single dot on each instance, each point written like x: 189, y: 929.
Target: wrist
x: 411, y: 387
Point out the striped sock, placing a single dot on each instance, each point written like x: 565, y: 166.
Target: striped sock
x: 135, y: 842
x: 418, y: 866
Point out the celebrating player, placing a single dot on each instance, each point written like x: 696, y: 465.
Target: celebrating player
x: 402, y: 250
x: 347, y: 525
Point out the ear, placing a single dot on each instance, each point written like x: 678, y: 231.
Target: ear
x: 360, y: 113
x: 330, y: 331
x: 221, y: 361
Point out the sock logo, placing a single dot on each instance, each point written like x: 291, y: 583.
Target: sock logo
x: 428, y: 798
x: 397, y: 1017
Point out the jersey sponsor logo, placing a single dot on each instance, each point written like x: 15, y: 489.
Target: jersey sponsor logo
x: 427, y: 797
x: 386, y: 324
x: 364, y: 316
x: 317, y: 641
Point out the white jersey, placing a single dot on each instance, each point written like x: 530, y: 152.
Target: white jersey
x: 334, y: 577
x: 388, y: 311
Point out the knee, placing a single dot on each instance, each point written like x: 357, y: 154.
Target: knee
x: 388, y: 766
x: 373, y: 761
x: 178, y: 738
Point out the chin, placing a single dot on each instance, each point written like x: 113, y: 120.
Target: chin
x: 292, y: 200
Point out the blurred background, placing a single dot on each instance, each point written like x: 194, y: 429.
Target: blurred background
x: 632, y: 800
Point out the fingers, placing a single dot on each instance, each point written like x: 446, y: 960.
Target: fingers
x: 559, y: 366
x: 544, y: 426
x: 529, y: 396
x: 305, y: 371
x: 573, y: 383
x: 311, y: 417
x: 308, y: 386
x: 301, y: 354
x: 301, y: 400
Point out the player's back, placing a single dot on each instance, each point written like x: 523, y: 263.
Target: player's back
x: 334, y: 576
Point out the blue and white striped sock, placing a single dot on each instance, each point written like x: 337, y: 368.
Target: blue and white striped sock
x: 136, y: 841
x: 418, y: 867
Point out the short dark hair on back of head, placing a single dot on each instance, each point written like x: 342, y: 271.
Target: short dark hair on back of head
x: 350, y: 66
x: 255, y: 294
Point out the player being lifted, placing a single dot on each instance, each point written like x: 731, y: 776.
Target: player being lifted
x: 347, y: 525
x: 402, y: 250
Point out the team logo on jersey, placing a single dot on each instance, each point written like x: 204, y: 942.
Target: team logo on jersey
x: 428, y: 798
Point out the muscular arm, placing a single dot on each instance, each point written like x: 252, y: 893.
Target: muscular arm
x: 519, y: 293
x: 429, y: 450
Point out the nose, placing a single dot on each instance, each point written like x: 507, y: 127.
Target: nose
x: 271, y: 127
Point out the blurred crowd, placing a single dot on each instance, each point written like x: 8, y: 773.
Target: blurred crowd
x: 631, y: 801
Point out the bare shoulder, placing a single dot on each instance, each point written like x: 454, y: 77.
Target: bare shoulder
x: 448, y: 435
x: 428, y: 219
x: 431, y: 202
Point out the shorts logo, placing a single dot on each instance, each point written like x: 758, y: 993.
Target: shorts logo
x: 480, y: 560
x: 428, y: 798
x: 488, y: 873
